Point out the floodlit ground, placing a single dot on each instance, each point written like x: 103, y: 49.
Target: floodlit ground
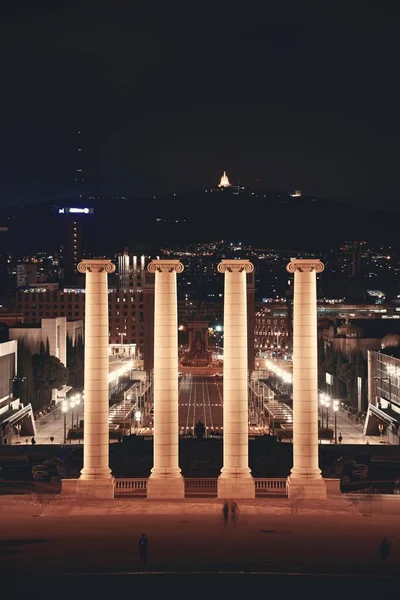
x: 273, y: 543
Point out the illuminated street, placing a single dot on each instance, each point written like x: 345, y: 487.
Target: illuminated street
x: 200, y: 398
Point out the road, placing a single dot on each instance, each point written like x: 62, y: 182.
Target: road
x: 200, y: 398
x: 336, y: 550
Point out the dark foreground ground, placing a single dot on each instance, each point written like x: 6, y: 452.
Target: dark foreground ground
x: 90, y: 551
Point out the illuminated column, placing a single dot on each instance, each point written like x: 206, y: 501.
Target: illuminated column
x: 96, y: 480
x: 235, y: 480
x: 165, y: 480
x: 305, y: 480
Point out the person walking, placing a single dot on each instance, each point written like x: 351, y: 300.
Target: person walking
x: 225, y: 512
x: 143, y: 544
x: 234, y: 512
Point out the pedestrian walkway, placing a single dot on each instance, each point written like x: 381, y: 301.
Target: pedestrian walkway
x: 351, y: 431
x: 52, y: 424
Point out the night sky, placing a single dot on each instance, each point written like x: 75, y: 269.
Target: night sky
x: 300, y: 96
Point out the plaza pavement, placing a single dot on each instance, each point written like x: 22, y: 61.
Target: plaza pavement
x: 67, y: 548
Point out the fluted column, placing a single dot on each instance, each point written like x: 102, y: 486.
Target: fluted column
x: 305, y: 480
x: 166, y: 480
x: 235, y: 480
x: 96, y: 480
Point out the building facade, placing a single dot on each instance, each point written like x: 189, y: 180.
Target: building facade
x: 272, y: 330
x: 383, y: 415
x: 126, y: 312
x: 16, y: 420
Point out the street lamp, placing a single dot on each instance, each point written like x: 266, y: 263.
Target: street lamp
x: 77, y: 403
x: 335, y: 408
x: 64, y: 408
x: 380, y: 427
x: 322, y: 400
x: 138, y: 416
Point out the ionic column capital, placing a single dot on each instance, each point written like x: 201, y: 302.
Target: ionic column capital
x: 165, y: 266
x: 235, y: 266
x: 97, y: 265
x: 308, y: 265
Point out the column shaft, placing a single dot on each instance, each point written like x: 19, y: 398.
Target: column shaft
x: 165, y: 480
x: 235, y: 479
x: 305, y: 376
x: 96, y: 403
x: 305, y: 480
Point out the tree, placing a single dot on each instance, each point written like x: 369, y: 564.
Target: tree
x: 49, y: 374
x: 47, y: 347
x: 347, y: 376
x: 339, y: 387
x: 25, y: 384
x: 75, y: 362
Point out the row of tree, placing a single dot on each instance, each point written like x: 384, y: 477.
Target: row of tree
x: 345, y: 373
x: 38, y: 374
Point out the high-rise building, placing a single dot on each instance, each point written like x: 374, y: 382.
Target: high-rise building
x: 4, y: 283
x: 26, y: 274
x: 75, y: 225
x: 350, y: 262
x: 130, y: 271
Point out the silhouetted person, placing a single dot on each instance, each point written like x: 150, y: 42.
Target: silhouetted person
x: 33, y: 441
x: 225, y: 512
x: 234, y: 512
x: 143, y: 543
x: 340, y: 438
x: 384, y: 548
x: 199, y: 430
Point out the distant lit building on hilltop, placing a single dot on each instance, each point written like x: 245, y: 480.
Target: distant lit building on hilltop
x: 224, y: 181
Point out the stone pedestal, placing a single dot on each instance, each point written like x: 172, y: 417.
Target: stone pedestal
x: 96, y: 481
x: 166, y: 480
x: 235, y: 480
x: 305, y: 481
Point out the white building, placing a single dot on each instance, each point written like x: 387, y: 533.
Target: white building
x: 53, y: 330
x: 16, y: 420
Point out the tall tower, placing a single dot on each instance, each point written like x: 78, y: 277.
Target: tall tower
x: 79, y: 177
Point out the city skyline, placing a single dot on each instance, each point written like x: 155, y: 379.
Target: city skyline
x: 293, y: 99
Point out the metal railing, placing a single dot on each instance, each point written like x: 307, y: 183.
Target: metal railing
x: 199, y: 486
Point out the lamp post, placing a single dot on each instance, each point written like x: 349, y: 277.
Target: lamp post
x: 380, y: 427
x: 64, y: 408
x: 335, y: 408
x: 322, y: 403
x: 327, y: 405
x: 138, y: 416
x: 78, y: 398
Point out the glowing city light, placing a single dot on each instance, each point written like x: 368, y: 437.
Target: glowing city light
x: 281, y: 373
x: 128, y: 366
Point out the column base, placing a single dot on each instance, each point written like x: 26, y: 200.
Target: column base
x: 165, y: 487
x: 237, y: 488
x: 97, y: 489
x: 306, y: 488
